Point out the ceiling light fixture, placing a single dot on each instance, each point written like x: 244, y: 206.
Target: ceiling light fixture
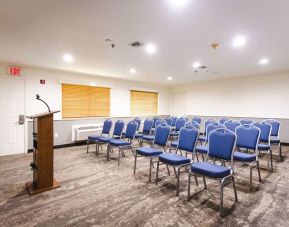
x: 67, y: 58
x: 178, y: 4
x: 170, y: 78
x: 196, y: 65
x: 264, y: 61
x: 239, y: 41
x: 151, y: 48
x: 132, y: 71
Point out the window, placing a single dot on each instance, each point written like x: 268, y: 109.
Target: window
x: 143, y: 103
x: 85, y: 101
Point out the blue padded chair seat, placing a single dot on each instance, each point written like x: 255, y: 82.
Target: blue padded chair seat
x: 274, y: 141
x: 210, y: 170
x: 148, y: 138
x: 95, y: 138
x: 119, y: 143
x: 263, y: 147
x: 148, y: 151
x: 174, y: 133
x: 105, y: 139
x: 174, y: 144
x: 202, y: 138
x: 244, y: 157
x: 138, y: 135
x: 202, y: 149
x: 173, y: 159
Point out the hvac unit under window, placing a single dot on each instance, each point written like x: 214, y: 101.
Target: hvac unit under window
x: 81, y: 132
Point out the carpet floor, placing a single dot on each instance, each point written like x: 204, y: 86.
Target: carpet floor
x: 95, y: 192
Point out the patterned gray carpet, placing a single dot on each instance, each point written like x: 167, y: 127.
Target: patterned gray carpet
x: 95, y: 192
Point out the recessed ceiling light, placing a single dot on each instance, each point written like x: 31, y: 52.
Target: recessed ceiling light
x: 178, y: 4
x: 196, y: 65
x: 239, y: 41
x: 151, y: 48
x: 132, y: 71
x: 264, y: 61
x: 170, y: 78
x: 67, y: 58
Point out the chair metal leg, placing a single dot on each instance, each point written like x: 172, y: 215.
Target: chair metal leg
x: 178, y: 180
x: 235, y: 190
x: 196, y: 179
x: 134, y: 168
x: 97, y: 149
x: 157, y: 173
x: 268, y: 161
x: 150, y: 173
x: 280, y: 152
x: 271, y: 158
x: 197, y: 157
x: 221, y: 196
x: 108, y: 151
x: 169, y: 173
x: 175, y: 171
x: 87, y: 148
x: 119, y: 152
x: 205, y: 184
x: 251, y: 169
x: 189, y: 186
x: 259, y: 174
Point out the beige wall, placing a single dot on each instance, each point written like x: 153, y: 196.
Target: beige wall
x: 260, y: 96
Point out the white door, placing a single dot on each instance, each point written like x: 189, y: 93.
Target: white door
x: 12, y: 106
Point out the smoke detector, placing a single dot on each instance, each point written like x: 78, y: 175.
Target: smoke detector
x: 136, y: 44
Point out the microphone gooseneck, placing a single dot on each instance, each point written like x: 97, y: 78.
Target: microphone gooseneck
x: 38, y: 98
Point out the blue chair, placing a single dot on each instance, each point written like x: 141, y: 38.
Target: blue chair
x: 221, y: 146
x: 223, y: 120
x: 197, y: 119
x: 150, y: 138
x: 174, y: 120
x: 123, y: 144
x: 147, y: 127
x: 232, y: 125
x: 203, y: 148
x: 264, y: 142
x: 187, y: 142
x: 169, y: 121
x: 179, y: 124
x: 203, y: 138
x: 105, y: 132
x: 246, y: 121
x: 247, y: 140
x: 117, y: 134
x: 194, y: 124
x: 159, y: 144
x: 138, y: 121
x: 275, y: 137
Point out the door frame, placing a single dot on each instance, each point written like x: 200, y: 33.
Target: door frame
x: 24, y: 98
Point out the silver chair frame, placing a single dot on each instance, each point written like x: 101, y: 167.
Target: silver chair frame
x: 278, y: 137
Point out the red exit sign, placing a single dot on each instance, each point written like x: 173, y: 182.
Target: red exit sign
x: 14, y: 71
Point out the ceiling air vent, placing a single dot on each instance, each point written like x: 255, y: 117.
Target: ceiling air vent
x: 136, y: 44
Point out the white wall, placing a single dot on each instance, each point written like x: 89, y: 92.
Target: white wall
x: 51, y: 91
x: 260, y: 96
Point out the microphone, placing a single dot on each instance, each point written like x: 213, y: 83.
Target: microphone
x: 38, y: 98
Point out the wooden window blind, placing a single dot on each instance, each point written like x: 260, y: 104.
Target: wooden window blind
x: 143, y: 103
x: 85, y: 101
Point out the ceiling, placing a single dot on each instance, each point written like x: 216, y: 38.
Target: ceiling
x: 39, y: 32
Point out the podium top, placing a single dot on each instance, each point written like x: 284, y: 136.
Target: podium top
x: 42, y: 114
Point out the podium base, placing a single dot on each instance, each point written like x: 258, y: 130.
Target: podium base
x: 32, y: 191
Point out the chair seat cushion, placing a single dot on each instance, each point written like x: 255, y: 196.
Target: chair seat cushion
x: 174, y: 133
x: 202, y: 149
x: 148, y: 138
x: 210, y: 170
x: 173, y: 159
x: 263, y: 147
x: 105, y: 139
x: 148, y: 151
x: 202, y: 138
x: 174, y: 144
x: 244, y: 157
x: 119, y: 143
x: 138, y: 135
x: 275, y: 141
x: 94, y: 138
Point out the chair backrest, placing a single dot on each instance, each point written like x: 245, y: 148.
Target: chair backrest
x: 247, y: 137
x: 207, y: 122
x: 148, y: 124
x: 162, y: 134
x: 138, y: 121
x: 106, y: 126
x: 246, y: 121
x: 180, y: 123
x: 224, y: 119
x: 197, y: 119
x: 275, y: 127
x: 159, y: 121
x: 232, y: 125
x: 155, y: 119
x: 169, y: 121
x: 174, y: 120
x: 221, y: 144
x: 265, y: 131
x: 118, y: 128
x: 193, y: 123
x: 213, y: 126
x: 131, y: 129
x: 188, y: 138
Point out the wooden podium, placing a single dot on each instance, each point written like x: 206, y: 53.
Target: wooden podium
x: 42, y: 165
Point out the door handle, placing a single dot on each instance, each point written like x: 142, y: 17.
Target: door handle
x: 21, y: 119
